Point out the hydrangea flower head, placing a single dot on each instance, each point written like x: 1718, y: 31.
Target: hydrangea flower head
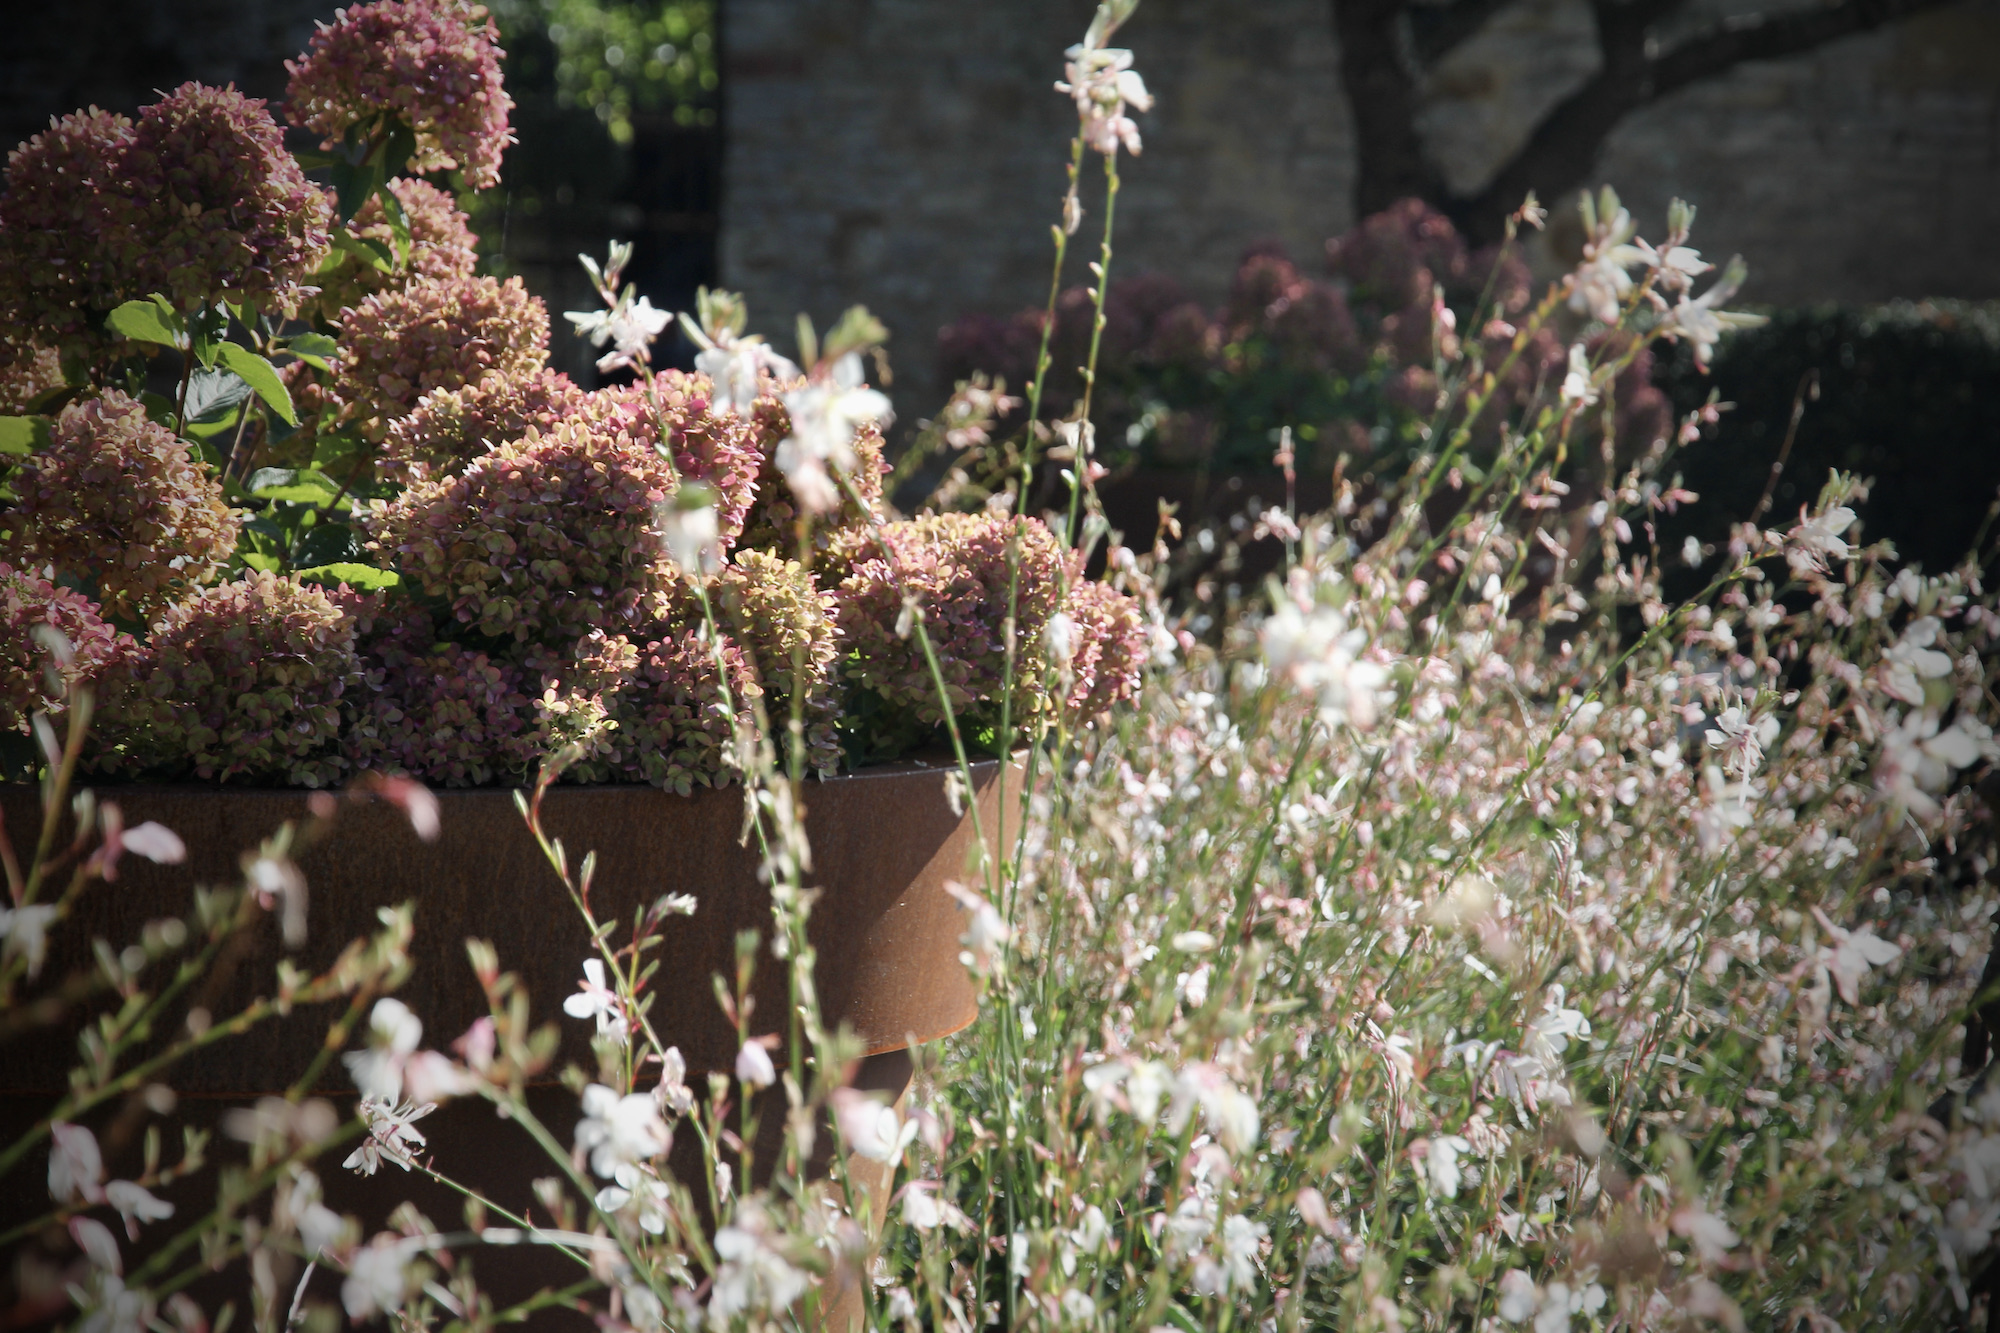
x: 435, y: 334
x: 1107, y: 648
x: 32, y: 371
x: 441, y: 246
x: 448, y: 428
x: 955, y: 568
x: 214, y: 205
x: 59, y: 266
x: 433, y: 64
x: 119, y: 499
x: 244, y: 680
x: 543, y: 539
x: 27, y: 601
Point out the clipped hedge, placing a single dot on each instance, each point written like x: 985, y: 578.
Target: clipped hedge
x: 1909, y: 394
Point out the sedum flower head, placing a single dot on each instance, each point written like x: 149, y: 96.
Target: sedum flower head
x: 244, y: 680
x: 433, y: 64
x: 26, y: 602
x: 448, y: 428
x: 398, y: 346
x: 117, y: 498
x: 59, y: 265
x: 215, y: 208
x: 954, y: 567
x: 441, y: 246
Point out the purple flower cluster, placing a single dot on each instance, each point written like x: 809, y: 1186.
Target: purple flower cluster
x: 118, y: 499
x: 399, y: 345
x: 433, y: 64
x: 442, y: 246
x: 28, y: 600
x: 243, y: 680
x: 955, y: 568
x: 61, y: 263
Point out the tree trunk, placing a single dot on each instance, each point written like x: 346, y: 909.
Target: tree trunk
x: 1392, y: 163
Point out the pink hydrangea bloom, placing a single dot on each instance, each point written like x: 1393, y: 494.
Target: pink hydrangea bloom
x: 32, y: 371
x: 243, y: 680
x: 215, y: 206
x: 435, y: 334
x: 955, y: 566
x: 434, y: 64
x: 448, y: 428
x: 441, y: 246
x: 542, y: 540
x: 439, y: 712
x: 118, y: 499
x: 718, y: 448
x: 59, y: 265
x: 26, y: 601
x: 1108, y: 649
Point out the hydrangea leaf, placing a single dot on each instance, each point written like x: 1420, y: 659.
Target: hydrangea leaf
x: 149, y: 321
x: 362, y: 578
x: 262, y: 376
x: 23, y: 435
x: 315, y: 349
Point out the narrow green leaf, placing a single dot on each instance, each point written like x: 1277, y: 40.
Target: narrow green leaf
x: 148, y: 322
x: 268, y: 563
x: 372, y: 253
x: 262, y: 376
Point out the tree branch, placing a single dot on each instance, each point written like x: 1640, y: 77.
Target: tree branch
x: 1563, y: 151
x: 1438, y: 30
x: 1382, y: 91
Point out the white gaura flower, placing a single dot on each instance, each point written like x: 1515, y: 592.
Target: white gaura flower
x: 1742, y: 739
x: 1817, y: 539
x: 393, y: 1033
x: 1675, y: 267
x: 986, y: 933
x: 1549, y: 1034
x: 24, y: 933
x: 1518, y: 1296
x: 136, y: 1204
x: 156, y: 842
x: 629, y: 326
x: 1912, y: 660
x: 1712, y: 1236
x: 1699, y: 321
x: 76, y: 1167
x: 687, y: 523
x: 620, y: 1131
x: 378, y: 1277
x: 1078, y: 1306
x: 1441, y: 1163
x: 1730, y: 806
x: 673, y: 1094
x: 826, y: 415
x: 870, y: 1127
x: 1317, y: 651
x: 1189, y: 1225
x: 432, y: 1076
x: 1919, y: 757
x: 1228, y: 1112
x: 1240, y: 1237
x: 1101, y: 81
x: 1601, y: 283
x: 752, y: 1276
x: 594, y: 999
x: 392, y: 1136
x: 1577, y: 389
x: 920, y: 1207
x: 1060, y: 637
x: 754, y: 1067
x: 1852, y: 954
x: 737, y: 371
x: 642, y: 1192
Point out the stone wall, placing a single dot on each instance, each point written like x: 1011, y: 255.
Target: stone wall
x: 907, y: 153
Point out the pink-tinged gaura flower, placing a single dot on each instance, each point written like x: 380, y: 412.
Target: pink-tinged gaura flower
x: 594, y: 999
x: 432, y: 64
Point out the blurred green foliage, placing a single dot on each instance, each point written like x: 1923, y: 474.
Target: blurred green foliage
x: 618, y: 58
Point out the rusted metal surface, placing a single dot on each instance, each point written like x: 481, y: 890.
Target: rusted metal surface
x: 884, y: 842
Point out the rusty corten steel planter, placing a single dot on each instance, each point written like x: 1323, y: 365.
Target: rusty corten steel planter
x: 884, y: 841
